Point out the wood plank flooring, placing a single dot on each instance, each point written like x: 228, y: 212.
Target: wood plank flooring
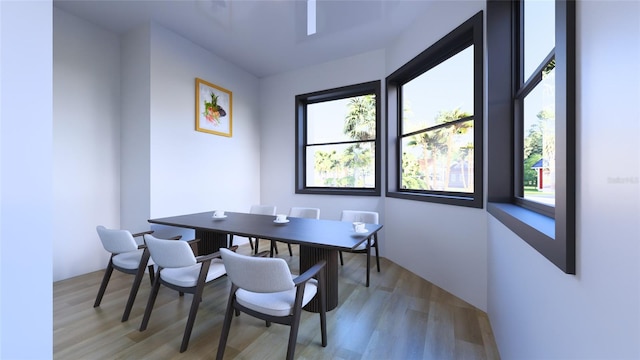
x: 400, y: 316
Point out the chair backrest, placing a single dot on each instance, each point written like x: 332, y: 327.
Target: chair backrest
x: 369, y: 217
x: 304, y: 212
x: 116, y: 241
x: 263, y: 209
x: 257, y: 274
x: 170, y: 253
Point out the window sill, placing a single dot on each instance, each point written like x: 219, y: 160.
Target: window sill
x: 537, y: 230
x: 339, y: 191
x: 467, y: 201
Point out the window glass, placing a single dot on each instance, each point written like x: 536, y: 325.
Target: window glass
x: 446, y: 87
x: 326, y: 121
x: 337, y: 141
x: 539, y: 154
x: 437, y: 125
x: 341, y: 165
x: 539, y: 33
x: 427, y: 163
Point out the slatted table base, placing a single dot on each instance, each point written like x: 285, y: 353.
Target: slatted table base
x: 310, y: 256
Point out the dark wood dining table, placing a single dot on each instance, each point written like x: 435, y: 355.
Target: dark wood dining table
x: 318, y: 239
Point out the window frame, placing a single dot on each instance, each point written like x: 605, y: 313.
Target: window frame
x: 301, y: 102
x: 552, y: 235
x: 468, y: 33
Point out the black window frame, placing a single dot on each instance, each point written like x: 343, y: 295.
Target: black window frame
x: 301, y: 102
x: 467, y: 34
x: 551, y: 234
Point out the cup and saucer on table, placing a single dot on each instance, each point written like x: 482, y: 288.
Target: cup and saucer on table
x: 219, y: 214
x: 281, y: 219
x: 359, y: 227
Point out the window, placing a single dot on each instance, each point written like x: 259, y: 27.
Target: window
x: 437, y: 106
x: 532, y: 129
x: 337, y: 141
x: 534, y: 106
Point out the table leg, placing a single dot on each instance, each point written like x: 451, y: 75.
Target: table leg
x: 310, y: 256
x: 210, y: 241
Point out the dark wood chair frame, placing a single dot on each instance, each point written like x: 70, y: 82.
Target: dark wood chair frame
x: 274, y: 248
x: 292, y: 320
x: 197, y: 291
x: 367, y: 250
x: 139, y: 274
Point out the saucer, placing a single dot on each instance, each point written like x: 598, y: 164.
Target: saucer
x: 219, y: 217
x: 281, y: 222
x: 362, y: 232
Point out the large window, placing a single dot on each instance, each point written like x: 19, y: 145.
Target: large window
x: 337, y: 147
x: 436, y: 103
x: 532, y: 129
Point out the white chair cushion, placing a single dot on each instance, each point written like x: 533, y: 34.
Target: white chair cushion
x: 188, y: 276
x: 128, y: 260
x: 278, y: 303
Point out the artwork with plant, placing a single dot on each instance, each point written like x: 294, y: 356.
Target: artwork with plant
x: 212, y: 111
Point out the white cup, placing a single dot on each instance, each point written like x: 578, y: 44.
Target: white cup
x: 218, y: 213
x: 281, y: 218
x: 359, y: 227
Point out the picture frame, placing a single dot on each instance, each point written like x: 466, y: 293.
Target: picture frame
x: 214, y: 109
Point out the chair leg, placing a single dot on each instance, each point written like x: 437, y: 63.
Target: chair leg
x: 195, y: 303
x: 293, y: 335
x: 290, y: 251
x: 226, y: 325
x: 341, y: 261
x: 151, y: 274
x: 151, y: 301
x: 103, y: 285
x: 368, y: 259
x: 255, y: 247
x: 295, y: 322
x: 375, y: 245
x: 136, y: 284
x: 190, y: 321
x: 323, y: 307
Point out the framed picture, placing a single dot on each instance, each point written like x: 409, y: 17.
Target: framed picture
x: 213, y: 108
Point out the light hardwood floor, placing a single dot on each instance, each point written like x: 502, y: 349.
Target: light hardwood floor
x: 400, y: 316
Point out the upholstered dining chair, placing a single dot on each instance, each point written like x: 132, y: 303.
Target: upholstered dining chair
x: 263, y: 287
x: 298, y: 212
x: 179, y: 269
x: 260, y: 210
x: 127, y: 256
x: 369, y: 217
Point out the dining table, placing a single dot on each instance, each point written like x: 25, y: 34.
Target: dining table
x: 319, y: 239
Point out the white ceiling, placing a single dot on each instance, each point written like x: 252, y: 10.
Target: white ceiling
x: 263, y: 37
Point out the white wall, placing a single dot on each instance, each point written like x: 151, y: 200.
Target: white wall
x: 536, y: 311
x: 26, y: 191
x: 194, y: 171
x: 125, y: 145
x: 444, y: 244
x: 86, y: 143
x: 135, y: 196
x: 427, y: 239
x: 278, y: 133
